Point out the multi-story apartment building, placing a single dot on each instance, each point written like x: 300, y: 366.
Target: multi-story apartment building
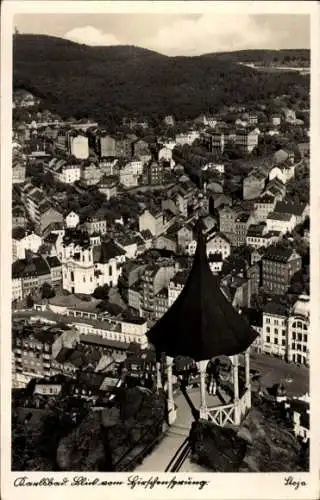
x: 18, y: 171
x: 16, y: 289
x: 299, y: 331
x: 299, y: 210
x: 263, y: 206
x: 218, y: 244
x: 155, y: 173
x: 90, y: 174
x: 109, y: 166
x: 285, y: 332
x: 40, y: 209
x: 278, y: 267
x: 161, y: 303
x: 213, y: 140
x: 127, y: 178
x: 55, y: 270
x: 247, y: 140
x: 176, y: 285
x: 152, y: 220
x: 184, y: 237
x: 64, y: 171
x: 274, y: 329
x: 155, y: 278
x: 18, y: 216
x: 95, y: 225
x: 227, y: 222
x: 106, y: 145
x: 242, y: 223
x: 281, y: 222
x: 78, y: 145
x: 258, y: 236
x: 32, y: 356
x: 32, y: 274
x: 108, y: 186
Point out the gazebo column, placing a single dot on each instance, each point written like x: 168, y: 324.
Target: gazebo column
x: 158, y: 373
x: 235, y: 376
x: 202, y: 367
x: 172, y: 414
x: 247, y: 380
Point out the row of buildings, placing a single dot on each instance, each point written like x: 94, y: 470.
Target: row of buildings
x: 285, y: 332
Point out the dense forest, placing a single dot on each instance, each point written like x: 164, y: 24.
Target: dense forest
x: 107, y: 83
x: 297, y: 57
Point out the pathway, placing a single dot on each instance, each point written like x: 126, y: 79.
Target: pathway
x: 161, y: 455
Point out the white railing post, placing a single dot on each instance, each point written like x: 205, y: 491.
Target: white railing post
x: 172, y: 414
x: 202, y: 367
x: 235, y: 372
x: 159, y: 382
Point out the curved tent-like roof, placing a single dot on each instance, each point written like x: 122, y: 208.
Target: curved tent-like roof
x: 201, y: 323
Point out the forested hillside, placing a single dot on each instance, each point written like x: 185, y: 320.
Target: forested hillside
x: 106, y: 83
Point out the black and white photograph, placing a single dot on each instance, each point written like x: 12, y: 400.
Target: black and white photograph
x: 159, y: 247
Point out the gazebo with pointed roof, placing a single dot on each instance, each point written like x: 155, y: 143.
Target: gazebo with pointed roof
x: 203, y: 324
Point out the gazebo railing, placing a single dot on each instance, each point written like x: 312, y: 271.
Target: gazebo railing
x: 221, y: 415
x: 231, y: 413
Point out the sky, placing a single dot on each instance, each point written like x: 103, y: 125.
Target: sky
x: 175, y: 34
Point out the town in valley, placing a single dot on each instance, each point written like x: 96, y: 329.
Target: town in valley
x: 108, y: 221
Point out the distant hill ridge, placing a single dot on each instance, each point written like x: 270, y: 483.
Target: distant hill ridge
x: 112, y: 81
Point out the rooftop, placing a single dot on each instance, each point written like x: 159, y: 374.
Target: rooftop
x: 290, y: 207
x: 100, y: 341
x: 276, y: 308
x: 284, y: 217
x: 278, y: 254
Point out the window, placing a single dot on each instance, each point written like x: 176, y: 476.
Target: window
x: 283, y: 332
x: 294, y: 325
x: 72, y: 276
x: 300, y: 337
x: 276, y: 331
x: 268, y: 320
x: 283, y: 342
x: 305, y: 327
x: 276, y: 340
x: 268, y: 329
x: 298, y: 347
x: 84, y: 279
x: 293, y: 345
x: 275, y: 321
x: 268, y: 338
x: 305, y: 337
x: 299, y: 324
x: 110, y: 270
x: 304, y: 348
x: 294, y: 335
